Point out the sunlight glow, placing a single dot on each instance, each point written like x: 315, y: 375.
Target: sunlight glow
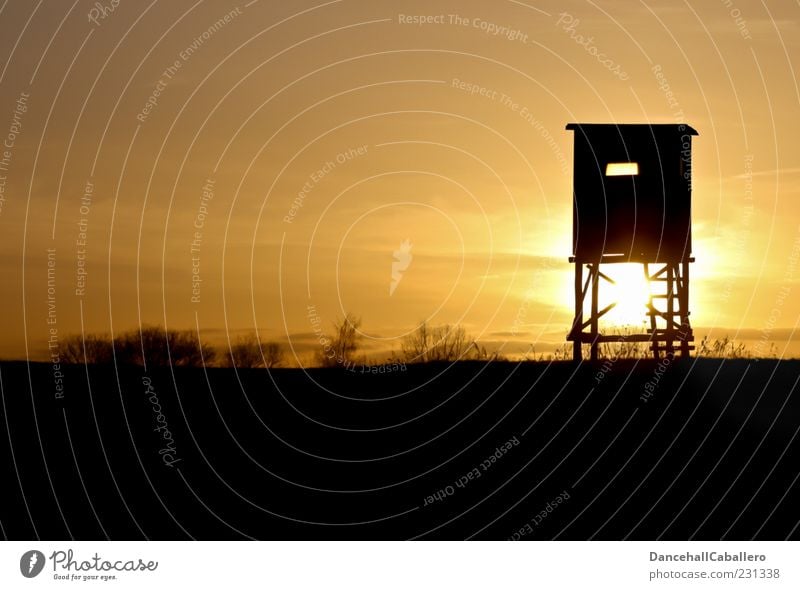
x: 622, y: 169
x: 631, y: 292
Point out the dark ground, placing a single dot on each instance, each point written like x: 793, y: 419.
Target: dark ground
x: 332, y: 454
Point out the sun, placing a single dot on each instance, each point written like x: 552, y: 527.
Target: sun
x: 631, y: 293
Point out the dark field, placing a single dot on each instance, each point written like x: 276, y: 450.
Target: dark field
x: 471, y: 450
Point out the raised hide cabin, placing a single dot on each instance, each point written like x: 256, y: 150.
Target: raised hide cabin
x: 632, y: 202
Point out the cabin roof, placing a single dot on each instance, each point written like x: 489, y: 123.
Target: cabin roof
x: 621, y: 128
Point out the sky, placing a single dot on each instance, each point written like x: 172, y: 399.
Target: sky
x: 268, y: 167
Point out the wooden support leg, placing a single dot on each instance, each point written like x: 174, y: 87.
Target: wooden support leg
x: 595, y: 270
x: 653, y: 318
x: 576, y: 344
x: 684, y: 304
x: 670, y: 335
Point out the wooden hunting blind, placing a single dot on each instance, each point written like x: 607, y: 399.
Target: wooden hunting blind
x: 632, y: 189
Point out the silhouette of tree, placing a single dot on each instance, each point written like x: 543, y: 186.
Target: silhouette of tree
x: 340, y: 347
x: 248, y: 352
x: 159, y: 347
x: 440, y: 343
x: 273, y: 354
x: 93, y: 349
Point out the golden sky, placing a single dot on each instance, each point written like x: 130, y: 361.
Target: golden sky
x: 283, y: 152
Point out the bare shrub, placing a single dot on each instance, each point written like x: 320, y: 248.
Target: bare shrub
x: 93, y: 349
x: 273, y: 354
x: 625, y: 349
x: 726, y: 348
x: 160, y: 348
x: 248, y: 352
x: 340, y: 347
x: 440, y: 343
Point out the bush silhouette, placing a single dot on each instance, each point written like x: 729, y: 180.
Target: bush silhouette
x: 93, y: 349
x: 340, y: 347
x: 153, y: 344
x: 160, y: 348
x: 440, y: 343
x: 248, y: 352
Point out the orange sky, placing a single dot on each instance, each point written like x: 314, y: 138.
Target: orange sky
x: 283, y: 155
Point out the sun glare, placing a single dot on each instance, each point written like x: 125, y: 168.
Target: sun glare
x: 630, y: 291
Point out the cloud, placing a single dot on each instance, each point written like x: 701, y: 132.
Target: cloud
x: 774, y: 172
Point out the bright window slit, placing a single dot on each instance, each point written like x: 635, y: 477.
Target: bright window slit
x: 622, y: 169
